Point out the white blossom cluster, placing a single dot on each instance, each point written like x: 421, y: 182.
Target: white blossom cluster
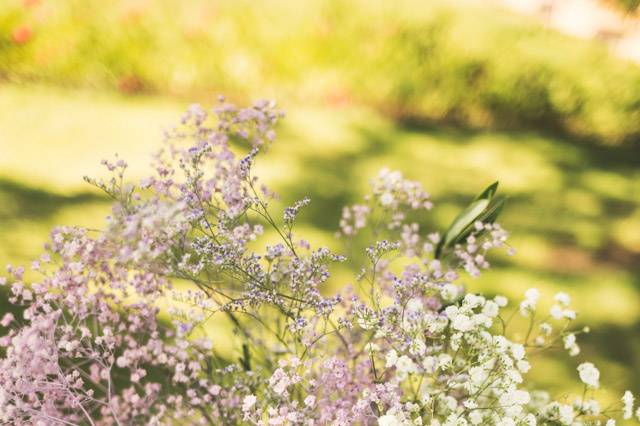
x: 476, y: 377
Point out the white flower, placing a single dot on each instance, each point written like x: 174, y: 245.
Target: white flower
x: 430, y: 364
x: 405, y: 366
x: 449, y: 292
x: 389, y: 420
x: 501, y: 301
x: 280, y: 387
x: 569, y: 340
x: 279, y: 381
x: 392, y: 358
x: 411, y: 407
x: 455, y: 341
x: 473, y: 300
x: 501, y: 344
x: 366, y: 321
x: 414, y: 305
x: 478, y: 375
x: 530, y: 301
x: 546, y: 328
x: 611, y: 422
x: 515, y: 397
x: 523, y: 366
x: 518, y: 351
x: 248, y: 402
x: 532, y: 294
x: 566, y: 414
x: 483, y: 320
x: 386, y: 199
x: 450, y: 402
x: 454, y: 420
x: 470, y: 404
x: 310, y: 400
x: 556, y: 312
x: 563, y: 298
x: 418, y: 347
x: 462, y: 323
x: 627, y: 399
x: 589, y: 375
x: 444, y: 361
x: 425, y: 397
x: 475, y: 417
x: 571, y: 345
x: 590, y: 406
x: 491, y: 309
x: 371, y: 347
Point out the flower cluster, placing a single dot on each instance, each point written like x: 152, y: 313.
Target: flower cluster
x: 91, y: 340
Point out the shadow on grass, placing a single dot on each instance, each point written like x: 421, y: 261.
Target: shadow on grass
x: 572, y: 243
x: 619, y: 344
x: 20, y: 201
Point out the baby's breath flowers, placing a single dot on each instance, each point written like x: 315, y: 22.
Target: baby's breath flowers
x: 403, y: 344
x: 628, y: 400
x: 589, y: 375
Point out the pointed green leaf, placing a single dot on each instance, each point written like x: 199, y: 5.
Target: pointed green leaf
x: 494, y: 210
x: 466, y: 217
x: 489, y: 192
x: 490, y: 214
x: 480, y: 209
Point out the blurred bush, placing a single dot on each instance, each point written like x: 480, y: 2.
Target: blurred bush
x: 420, y: 61
x: 628, y: 5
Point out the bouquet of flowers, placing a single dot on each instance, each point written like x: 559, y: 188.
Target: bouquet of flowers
x: 112, y: 331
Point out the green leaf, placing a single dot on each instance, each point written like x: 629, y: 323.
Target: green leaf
x: 488, y: 216
x: 489, y: 192
x: 467, y: 217
x: 494, y: 210
x: 482, y: 208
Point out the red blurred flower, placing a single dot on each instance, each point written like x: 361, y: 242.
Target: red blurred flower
x: 22, y: 34
x: 130, y: 84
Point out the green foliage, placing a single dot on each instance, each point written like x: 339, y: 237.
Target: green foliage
x: 628, y: 5
x: 423, y: 62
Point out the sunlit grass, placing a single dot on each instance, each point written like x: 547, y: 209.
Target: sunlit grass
x: 52, y: 139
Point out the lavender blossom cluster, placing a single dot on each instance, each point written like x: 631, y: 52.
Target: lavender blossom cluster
x: 112, y: 326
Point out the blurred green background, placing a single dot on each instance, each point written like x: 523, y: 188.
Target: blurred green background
x: 454, y: 94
